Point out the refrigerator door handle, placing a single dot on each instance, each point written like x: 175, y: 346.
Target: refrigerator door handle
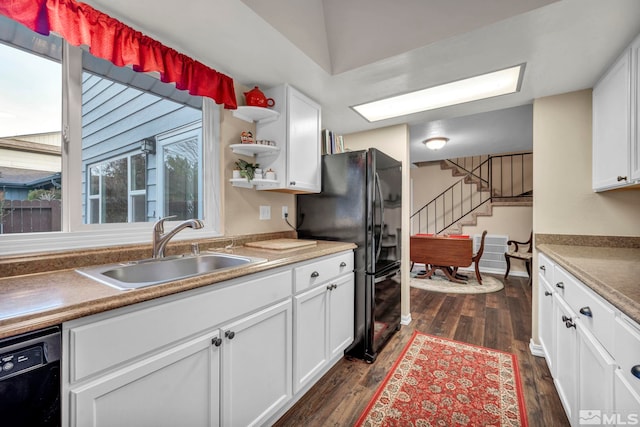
x: 379, y: 187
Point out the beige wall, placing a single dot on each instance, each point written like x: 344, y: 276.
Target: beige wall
x: 241, y: 206
x: 394, y: 141
x: 563, y: 200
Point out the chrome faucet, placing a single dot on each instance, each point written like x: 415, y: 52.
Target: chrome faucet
x: 160, y: 239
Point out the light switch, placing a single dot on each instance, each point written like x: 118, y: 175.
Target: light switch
x: 265, y: 212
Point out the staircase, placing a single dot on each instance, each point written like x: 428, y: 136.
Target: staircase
x: 486, y: 181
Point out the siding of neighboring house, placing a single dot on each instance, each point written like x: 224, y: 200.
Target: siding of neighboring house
x: 116, y: 117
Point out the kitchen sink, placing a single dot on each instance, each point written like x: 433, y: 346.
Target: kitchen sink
x: 140, y: 274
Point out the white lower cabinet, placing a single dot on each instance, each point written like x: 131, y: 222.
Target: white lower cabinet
x: 175, y: 387
x: 222, y: 355
x: 256, y: 366
x: 595, y: 350
x: 595, y: 374
x: 324, y: 327
x: 627, y: 401
x: 566, y: 357
x: 546, y: 318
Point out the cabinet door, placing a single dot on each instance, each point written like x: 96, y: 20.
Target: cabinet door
x: 310, y: 334
x: 635, y: 109
x: 341, y: 315
x: 546, y: 322
x: 303, y: 147
x: 256, y: 366
x: 595, y: 373
x: 626, y: 401
x: 177, y: 387
x: 611, y: 127
x: 566, y: 357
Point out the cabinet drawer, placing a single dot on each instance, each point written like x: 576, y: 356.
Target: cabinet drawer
x: 314, y: 273
x: 99, y: 342
x: 595, y: 314
x: 545, y: 268
x: 626, y: 351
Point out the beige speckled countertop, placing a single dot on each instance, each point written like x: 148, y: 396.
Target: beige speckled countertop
x: 611, y: 272
x: 33, y: 301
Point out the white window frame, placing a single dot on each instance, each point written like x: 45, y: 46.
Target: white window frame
x: 75, y: 234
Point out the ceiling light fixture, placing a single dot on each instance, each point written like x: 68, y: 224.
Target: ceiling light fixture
x: 484, y: 86
x: 435, y: 143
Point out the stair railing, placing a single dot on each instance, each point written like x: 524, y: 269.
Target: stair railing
x: 497, y: 177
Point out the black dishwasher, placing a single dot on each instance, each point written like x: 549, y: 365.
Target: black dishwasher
x: 30, y: 379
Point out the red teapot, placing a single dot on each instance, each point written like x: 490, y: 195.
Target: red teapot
x: 255, y: 98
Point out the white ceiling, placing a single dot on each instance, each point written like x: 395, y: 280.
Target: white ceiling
x: 346, y: 52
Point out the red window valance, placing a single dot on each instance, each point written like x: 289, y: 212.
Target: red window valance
x: 110, y: 39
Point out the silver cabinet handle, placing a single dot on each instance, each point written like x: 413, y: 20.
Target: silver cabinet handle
x: 622, y: 178
x: 343, y: 264
x: 586, y: 311
x: 543, y: 268
x: 560, y: 285
x: 315, y: 274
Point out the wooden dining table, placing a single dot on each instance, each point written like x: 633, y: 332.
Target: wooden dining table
x: 442, y: 253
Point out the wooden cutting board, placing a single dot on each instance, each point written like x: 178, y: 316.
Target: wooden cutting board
x: 282, y: 244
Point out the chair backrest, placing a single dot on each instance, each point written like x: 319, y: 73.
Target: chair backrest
x: 530, y: 242
x: 478, y: 255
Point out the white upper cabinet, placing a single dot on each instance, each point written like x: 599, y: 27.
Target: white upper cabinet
x: 297, y: 132
x: 616, y: 153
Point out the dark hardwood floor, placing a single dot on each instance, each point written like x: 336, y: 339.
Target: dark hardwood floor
x: 499, y: 320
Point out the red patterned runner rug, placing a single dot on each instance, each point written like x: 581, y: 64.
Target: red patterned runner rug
x: 440, y: 382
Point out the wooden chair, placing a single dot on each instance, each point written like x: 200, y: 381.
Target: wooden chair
x: 527, y: 256
x: 475, y: 259
x: 478, y: 255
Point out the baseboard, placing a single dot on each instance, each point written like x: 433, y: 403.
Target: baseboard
x: 405, y: 320
x: 535, y: 349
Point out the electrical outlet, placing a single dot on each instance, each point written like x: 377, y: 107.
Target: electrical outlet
x: 285, y: 211
x: 265, y: 212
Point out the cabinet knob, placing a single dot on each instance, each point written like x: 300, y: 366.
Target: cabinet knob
x: 586, y: 311
x: 292, y: 183
x: 547, y: 294
x: 216, y: 341
x: 560, y: 285
x: 230, y: 334
x: 635, y: 370
x: 569, y: 324
x: 343, y: 264
x: 329, y: 287
x: 543, y: 268
x: 621, y: 178
x: 315, y: 274
x: 566, y: 319
x: 334, y: 286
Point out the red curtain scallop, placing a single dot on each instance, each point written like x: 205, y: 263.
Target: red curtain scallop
x: 110, y: 39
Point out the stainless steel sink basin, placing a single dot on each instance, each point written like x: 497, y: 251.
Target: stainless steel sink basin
x: 155, y: 271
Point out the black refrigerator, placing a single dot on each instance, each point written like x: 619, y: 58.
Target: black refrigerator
x: 361, y: 202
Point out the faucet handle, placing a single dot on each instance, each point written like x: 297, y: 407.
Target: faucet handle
x: 159, y: 224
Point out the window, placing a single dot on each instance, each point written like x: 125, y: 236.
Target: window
x: 117, y: 190
x: 138, y: 149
